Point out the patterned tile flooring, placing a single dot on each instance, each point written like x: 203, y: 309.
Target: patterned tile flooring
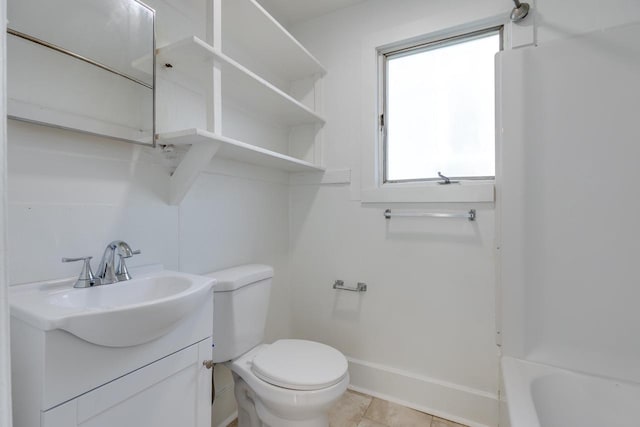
x: 360, y: 410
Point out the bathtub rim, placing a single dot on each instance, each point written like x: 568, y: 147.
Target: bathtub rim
x: 518, y: 376
x: 517, y: 381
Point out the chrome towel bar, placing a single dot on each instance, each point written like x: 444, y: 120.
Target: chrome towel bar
x: 360, y: 287
x: 471, y: 215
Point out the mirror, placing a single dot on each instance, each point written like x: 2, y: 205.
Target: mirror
x: 87, y: 65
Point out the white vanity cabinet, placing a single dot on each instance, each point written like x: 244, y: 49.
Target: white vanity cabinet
x: 173, y: 391
x: 61, y: 380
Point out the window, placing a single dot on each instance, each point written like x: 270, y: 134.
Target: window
x: 438, y: 109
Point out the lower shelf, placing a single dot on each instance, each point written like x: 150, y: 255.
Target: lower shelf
x: 205, y: 145
x: 238, y: 150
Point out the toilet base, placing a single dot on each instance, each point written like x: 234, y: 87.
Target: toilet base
x: 252, y: 413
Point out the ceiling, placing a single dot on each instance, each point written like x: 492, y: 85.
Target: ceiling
x: 290, y: 12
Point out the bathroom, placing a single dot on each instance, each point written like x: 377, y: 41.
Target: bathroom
x: 544, y: 274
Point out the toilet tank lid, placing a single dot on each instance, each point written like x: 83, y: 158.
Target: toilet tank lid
x: 242, y: 275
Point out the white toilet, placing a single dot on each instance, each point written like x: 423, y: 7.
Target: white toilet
x: 290, y: 383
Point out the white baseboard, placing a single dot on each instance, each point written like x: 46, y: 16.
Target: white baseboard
x: 228, y: 420
x: 464, y: 405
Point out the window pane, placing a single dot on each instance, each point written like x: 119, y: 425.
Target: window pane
x: 440, y: 113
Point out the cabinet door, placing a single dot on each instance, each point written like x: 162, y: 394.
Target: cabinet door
x: 173, y: 391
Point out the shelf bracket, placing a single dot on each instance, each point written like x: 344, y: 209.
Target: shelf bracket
x: 194, y: 161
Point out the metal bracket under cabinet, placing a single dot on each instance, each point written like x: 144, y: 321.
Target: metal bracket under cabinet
x: 360, y: 287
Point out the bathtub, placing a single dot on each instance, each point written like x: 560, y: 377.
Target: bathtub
x: 542, y: 396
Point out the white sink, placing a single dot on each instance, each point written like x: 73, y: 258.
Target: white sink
x: 118, y: 315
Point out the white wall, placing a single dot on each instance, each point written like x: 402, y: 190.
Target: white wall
x: 562, y: 19
x: 423, y: 334
x: 569, y: 243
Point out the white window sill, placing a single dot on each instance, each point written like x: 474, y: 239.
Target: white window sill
x: 464, y: 192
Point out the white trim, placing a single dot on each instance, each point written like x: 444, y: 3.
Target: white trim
x: 481, y: 191
x: 472, y: 407
x: 5, y: 355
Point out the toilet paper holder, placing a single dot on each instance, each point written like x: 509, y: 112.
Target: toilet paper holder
x: 360, y: 287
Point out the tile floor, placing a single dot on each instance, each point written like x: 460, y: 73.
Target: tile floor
x: 360, y: 410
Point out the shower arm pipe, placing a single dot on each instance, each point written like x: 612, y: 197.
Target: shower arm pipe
x: 520, y: 11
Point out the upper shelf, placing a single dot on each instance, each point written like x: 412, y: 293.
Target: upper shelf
x: 250, y: 26
x: 249, y: 90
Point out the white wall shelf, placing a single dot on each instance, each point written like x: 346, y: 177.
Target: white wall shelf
x: 205, y: 145
x: 239, y: 104
x: 240, y: 151
x: 190, y: 56
x: 250, y: 26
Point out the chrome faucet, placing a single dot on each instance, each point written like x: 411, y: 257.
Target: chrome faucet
x: 111, y: 271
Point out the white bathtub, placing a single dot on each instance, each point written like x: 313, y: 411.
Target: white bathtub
x: 542, y: 396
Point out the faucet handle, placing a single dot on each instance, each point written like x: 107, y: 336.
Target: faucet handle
x: 86, y: 278
x: 132, y: 253
x: 122, y: 273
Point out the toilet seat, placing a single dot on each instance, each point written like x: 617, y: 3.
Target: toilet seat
x: 299, y: 365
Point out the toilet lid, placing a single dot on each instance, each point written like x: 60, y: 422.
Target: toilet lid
x: 300, y: 365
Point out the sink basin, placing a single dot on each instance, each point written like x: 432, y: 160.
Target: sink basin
x: 141, y: 291
x: 118, y: 315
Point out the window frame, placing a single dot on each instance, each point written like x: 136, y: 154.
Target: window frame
x: 414, y: 47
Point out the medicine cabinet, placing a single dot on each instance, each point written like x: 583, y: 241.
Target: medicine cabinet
x: 76, y: 64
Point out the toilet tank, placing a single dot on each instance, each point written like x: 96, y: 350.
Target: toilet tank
x: 240, y: 303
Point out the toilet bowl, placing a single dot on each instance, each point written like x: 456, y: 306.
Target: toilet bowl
x: 279, y: 405
x: 289, y: 383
